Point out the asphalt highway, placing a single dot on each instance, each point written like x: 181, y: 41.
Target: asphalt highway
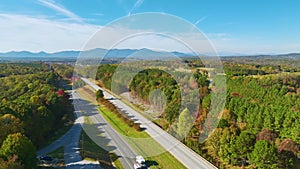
x: 181, y: 152
x: 111, y: 139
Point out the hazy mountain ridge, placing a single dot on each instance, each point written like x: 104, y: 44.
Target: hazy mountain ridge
x: 131, y: 54
x: 113, y: 53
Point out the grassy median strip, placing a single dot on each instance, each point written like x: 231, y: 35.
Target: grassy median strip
x: 143, y: 144
x: 93, y: 152
x: 58, y: 153
x: 87, y: 93
x: 146, y: 145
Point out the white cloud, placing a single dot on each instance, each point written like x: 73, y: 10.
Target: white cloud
x: 137, y: 4
x: 19, y: 32
x: 124, y: 38
x: 52, y: 5
x: 200, y: 20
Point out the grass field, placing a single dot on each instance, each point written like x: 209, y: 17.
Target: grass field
x: 90, y: 151
x: 144, y: 145
x: 87, y: 93
x: 57, y: 162
x: 58, y: 153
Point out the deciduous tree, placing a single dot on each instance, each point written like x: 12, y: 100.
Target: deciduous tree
x: 264, y: 155
x: 9, y: 124
x: 20, y: 145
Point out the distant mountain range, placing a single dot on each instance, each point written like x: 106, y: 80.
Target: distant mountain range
x: 94, y: 53
x: 113, y: 54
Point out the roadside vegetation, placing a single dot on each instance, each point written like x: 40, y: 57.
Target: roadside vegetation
x: 259, y: 126
x: 57, y: 154
x: 33, y: 107
x: 118, y: 113
x: 57, y: 160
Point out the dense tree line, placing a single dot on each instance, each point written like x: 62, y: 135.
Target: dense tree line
x: 32, y: 108
x: 7, y: 69
x: 288, y: 63
x: 148, y: 80
x: 105, y: 73
x: 63, y: 70
x: 259, y: 127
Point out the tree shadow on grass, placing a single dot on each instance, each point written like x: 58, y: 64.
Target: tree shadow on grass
x: 150, y: 163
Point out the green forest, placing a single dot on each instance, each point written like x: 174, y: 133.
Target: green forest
x: 33, y: 106
x: 259, y: 126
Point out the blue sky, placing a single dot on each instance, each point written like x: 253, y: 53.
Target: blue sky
x: 233, y: 26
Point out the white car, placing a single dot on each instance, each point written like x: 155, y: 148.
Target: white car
x: 139, y: 159
x: 139, y: 163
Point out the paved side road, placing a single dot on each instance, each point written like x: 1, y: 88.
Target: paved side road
x: 184, y: 154
x: 70, y: 141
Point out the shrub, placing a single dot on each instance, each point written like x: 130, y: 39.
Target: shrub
x: 137, y: 127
